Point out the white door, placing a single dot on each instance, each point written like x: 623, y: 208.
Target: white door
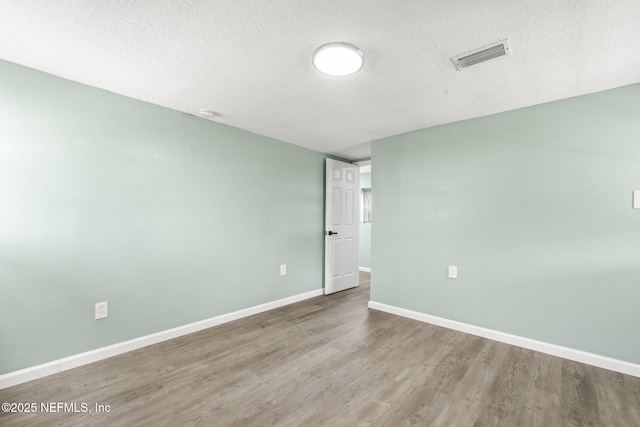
x: 341, y: 269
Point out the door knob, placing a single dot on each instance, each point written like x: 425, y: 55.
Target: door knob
x: 330, y: 233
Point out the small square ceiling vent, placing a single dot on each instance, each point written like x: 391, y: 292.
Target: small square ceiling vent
x: 495, y: 50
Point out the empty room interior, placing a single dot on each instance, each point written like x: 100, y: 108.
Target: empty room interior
x: 188, y: 234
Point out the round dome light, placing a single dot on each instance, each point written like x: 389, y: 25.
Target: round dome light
x: 338, y: 59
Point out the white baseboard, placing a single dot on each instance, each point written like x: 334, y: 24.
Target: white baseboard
x: 543, y: 347
x: 367, y: 269
x: 39, y: 371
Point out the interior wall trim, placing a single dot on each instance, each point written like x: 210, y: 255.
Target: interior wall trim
x: 49, y: 368
x: 543, y: 347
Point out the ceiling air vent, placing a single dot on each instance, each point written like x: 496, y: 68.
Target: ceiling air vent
x: 495, y: 50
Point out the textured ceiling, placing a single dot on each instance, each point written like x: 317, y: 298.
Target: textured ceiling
x: 250, y: 60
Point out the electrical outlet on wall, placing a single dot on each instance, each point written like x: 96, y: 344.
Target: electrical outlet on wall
x: 453, y: 272
x: 283, y: 269
x: 102, y: 310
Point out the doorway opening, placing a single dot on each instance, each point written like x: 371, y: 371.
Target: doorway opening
x: 366, y: 217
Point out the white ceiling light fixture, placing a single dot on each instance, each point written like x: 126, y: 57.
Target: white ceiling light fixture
x: 338, y: 59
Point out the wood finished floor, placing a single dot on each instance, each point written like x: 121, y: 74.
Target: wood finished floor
x: 329, y: 361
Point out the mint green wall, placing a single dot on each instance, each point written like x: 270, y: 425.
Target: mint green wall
x: 168, y: 217
x: 534, y: 207
x: 365, y: 229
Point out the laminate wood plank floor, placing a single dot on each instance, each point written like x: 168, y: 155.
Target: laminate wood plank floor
x: 330, y: 361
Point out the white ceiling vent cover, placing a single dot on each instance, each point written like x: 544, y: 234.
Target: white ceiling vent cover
x: 495, y: 50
